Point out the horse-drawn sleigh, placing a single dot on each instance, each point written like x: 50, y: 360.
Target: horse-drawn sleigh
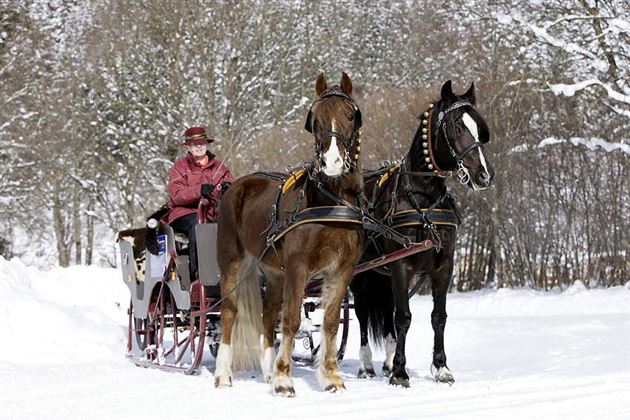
x: 295, y: 258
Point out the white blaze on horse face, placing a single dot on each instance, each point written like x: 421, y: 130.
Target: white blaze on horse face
x: 332, y: 159
x: 471, y: 125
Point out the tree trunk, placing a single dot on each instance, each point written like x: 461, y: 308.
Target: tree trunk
x: 89, y: 247
x: 63, y: 251
x: 76, y: 225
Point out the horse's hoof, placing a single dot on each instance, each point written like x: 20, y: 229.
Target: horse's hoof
x: 366, y: 373
x: 399, y: 381
x: 387, y: 371
x: 284, y: 391
x: 219, y: 382
x: 334, y: 388
x: 444, y: 375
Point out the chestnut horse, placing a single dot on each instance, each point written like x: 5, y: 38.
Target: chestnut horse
x: 412, y: 198
x: 324, y: 250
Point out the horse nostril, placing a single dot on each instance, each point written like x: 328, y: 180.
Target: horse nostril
x: 338, y: 161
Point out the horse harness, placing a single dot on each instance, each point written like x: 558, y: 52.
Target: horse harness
x: 442, y: 212
x: 342, y: 212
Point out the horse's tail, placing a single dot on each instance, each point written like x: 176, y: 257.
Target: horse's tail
x: 248, y: 325
x: 373, y: 291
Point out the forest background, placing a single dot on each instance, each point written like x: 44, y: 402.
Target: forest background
x: 95, y: 96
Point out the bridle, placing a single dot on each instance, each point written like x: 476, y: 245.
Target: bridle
x: 349, y: 161
x: 432, y: 133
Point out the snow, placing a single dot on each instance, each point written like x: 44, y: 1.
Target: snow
x: 590, y: 143
x: 619, y: 25
x: 570, y: 90
x: 517, y: 354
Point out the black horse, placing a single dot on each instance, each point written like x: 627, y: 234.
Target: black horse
x: 412, y: 197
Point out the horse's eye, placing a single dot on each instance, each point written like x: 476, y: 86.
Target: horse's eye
x: 350, y: 117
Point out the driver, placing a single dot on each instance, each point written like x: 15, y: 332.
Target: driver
x: 198, y: 174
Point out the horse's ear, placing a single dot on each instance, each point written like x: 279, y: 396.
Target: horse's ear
x: 447, y: 91
x: 346, y: 84
x: 320, y: 85
x: 470, y: 94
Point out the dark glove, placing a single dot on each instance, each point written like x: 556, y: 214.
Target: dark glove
x: 159, y: 214
x: 150, y: 240
x: 153, y: 228
x: 206, y: 190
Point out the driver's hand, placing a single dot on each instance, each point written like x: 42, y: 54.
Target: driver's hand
x: 206, y: 190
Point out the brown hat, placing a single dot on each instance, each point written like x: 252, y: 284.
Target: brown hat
x: 196, y: 135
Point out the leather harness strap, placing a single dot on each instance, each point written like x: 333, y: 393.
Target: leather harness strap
x: 419, y: 217
x: 324, y: 214
x: 343, y: 212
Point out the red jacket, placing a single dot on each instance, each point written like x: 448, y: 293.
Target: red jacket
x: 184, y: 185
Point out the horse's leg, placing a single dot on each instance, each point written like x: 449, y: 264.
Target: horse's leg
x: 334, y: 290
x: 291, y: 319
x: 402, y: 318
x: 271, y: 309
x: 389, y: 334
x: 223, y: 370
x: 361, y: 309
x: 440, y: 282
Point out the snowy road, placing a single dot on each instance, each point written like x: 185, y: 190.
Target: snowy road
x: 515, y: 354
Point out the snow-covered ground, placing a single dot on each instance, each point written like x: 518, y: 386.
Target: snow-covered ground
x: 516, y: 354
